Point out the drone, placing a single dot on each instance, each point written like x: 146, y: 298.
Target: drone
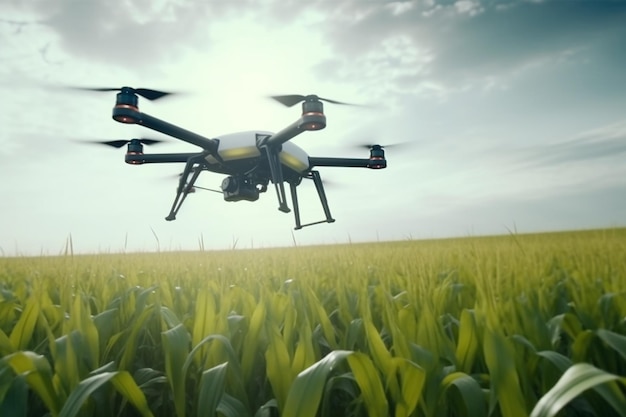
x: 250, y: 160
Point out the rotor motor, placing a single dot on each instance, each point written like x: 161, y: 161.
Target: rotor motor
x: 377, y: 157
x: 313, y: 117
x: 126, y: 103
x: 135, y: 147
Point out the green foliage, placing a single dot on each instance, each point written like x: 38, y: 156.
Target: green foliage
x: 495, y: 326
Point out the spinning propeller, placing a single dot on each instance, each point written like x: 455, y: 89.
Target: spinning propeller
x: 293, y: 99
x: 121, y: 142
x: 143, y: 92
x: 391, y: 145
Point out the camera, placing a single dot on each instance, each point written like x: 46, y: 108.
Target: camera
x: 239, y: 188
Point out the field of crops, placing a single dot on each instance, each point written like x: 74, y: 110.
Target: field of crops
x: 506, y: 326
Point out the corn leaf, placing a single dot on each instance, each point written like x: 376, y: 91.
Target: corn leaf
x: 470, y: 392
x: 130, y: 342
x: 305, y: 394
x: 253, y: 340
x: 169, y: 317
x: 234, y: 367
x: 81, y: 393
x: 269, y: 409
x: 467, y: 345
x: 411, y: 378
x: 580, y: 347
x: 122, y: 381
x: 65, y: 366
x: 176, y: 348
x: 6, y: 346
x: 377, y: 348
x: 322, y: 316
x: 6, y: 378
x: 84, y: 326
x: 22, y: 332
x: 562, y: 363
x: 278, y: 366
x: 355, y: 334
x: 211, y: 390
x: 127, y: 387
x: 370, y: 384
x: 341, y: 394
x: 304, y: 355
x: 38, y: 376
x: 616, y: 341
x: 105, y: 324
x: 14, y: 402
x: 498, y: 352
x: 204, y: 317
x: 231, y: 407
x: 577, y: 379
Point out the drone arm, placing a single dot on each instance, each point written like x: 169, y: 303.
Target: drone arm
x: 340, y: 162
x: 284, y: 135
x: 312, y: 119
x: 178, y: 132
x: 131, y: 115
x: 158, y: 158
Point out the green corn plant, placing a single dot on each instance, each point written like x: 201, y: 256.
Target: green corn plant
x: 176, y: 348
x: 434, y: 328
x: 22, y: 332
x: 234, y: 382
x: 35, y: 371
x: 499, y: 354
x: 278, y: 362
x: 305, y: 395
x: 577, y: 379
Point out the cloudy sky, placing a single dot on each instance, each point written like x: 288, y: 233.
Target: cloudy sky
x: 512, y: 113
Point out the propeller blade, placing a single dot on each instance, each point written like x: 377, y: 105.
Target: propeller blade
x: 291, y: 100
x: 119, y: 143
x: 96, y: 89
x: 343, y: 103
x: 144, y: 92
x: 152, y: 94
x: 114, y: 143
x: 147, y: 141
x: 391, y: 145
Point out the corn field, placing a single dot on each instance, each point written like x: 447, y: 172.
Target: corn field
x: 505, y: 326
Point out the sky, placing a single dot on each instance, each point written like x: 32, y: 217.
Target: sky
x: 511, y: 114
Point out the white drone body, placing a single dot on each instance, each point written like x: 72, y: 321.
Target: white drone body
x: 243, y: 146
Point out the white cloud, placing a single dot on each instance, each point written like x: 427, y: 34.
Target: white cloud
x: 469, y: 7
x: 399, y: 7
x: 476, y: 94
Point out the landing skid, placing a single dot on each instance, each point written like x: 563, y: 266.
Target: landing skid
x: 317, y: 180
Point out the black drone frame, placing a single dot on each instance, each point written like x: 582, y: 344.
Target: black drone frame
x: 126, y: 111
